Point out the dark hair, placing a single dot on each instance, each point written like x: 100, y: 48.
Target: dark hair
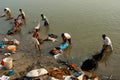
x: 103, y: 35
x: 5, y: 9
x: 15, y: 19
x: 20, y: 9
x: 41, y: 14
x: 36, y: 30
x: 58, y: 48
x: 62, y: 35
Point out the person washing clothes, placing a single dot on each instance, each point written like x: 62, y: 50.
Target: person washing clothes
x: 107, y: 44
x: 44, y: 18
x: 22, y: 16
x: 66, y: 38
x: 7, y: 13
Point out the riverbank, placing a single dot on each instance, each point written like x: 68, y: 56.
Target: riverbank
x: 26, y: 59
x: 23, y: 63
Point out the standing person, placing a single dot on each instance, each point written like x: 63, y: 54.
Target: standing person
x: 35, y: 39
x: 66, y: 37
x: 22, y: 16
x: 7, y: 13
x: 107, y: 44
x: 44, y: 18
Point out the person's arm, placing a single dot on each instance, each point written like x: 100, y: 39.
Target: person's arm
x: 19, y: 16
x: 2, y: 15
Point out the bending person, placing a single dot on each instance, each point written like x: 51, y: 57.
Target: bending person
x: 66, y: 37
x: 22, y: 16
x: 107, y: 44
x: 44, y: 18
x: 7, y: 13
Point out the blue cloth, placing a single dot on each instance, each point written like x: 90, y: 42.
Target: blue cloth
x: 64, y: 46
x: 46, y: 23
x: 2, y: 45
x: 77, y: 74
x: 11, y: 72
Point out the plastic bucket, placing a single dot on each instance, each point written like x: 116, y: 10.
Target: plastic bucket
x: 8, y: 63
x: 11, y: 48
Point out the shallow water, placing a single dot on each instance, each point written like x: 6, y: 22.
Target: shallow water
x: 85, y: 20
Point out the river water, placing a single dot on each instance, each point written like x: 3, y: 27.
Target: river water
x: 85, y: 20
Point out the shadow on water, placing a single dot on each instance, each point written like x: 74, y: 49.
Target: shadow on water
x: 92, y: 64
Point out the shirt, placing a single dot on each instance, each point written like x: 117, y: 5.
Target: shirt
x: 67, y: 35
x: 107, y: 41
x: 23, y: 14
x: 7, y: 9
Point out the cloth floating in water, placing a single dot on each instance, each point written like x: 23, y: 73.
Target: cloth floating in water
x: 56, y: 51
x: 57, y: 56
x: 52, y: 35
x: 64, y: 46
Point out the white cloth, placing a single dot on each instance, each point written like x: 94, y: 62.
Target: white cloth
x: 67, y: 78
x: 38, y: 26
x: 52, y: 39
x: 53, y: 78
x: 57, y: 56
x: 44, y: 17
x: 36, y: 41
x: 4, y: 77
x: 107, y: 41
x: 23, y: 12
x: 67, y: 35
x: 7, y: 12
x: 19, y: 21
x: 8, y: 9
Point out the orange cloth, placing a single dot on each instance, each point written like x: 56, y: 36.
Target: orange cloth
x: 11, y: 48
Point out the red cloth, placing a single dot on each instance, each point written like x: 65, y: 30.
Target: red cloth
x: 2, y: 62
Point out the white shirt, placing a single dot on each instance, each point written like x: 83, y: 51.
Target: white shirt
x: 8, y: 9
x: 107, y: 41
x: 23, y: 13
x: 67, y: 35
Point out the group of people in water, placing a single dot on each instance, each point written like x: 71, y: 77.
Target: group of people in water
x: 21, y: 18
x: 18, y: 21
x: 66, y: 37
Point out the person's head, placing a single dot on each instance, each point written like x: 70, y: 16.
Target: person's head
x: 15, y: 19
x: 41, y: 15
x: 62, y: 35
x: 36, y: 30
x: 20, y: 10
x: 5, y: 9
x: 103, y: 36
